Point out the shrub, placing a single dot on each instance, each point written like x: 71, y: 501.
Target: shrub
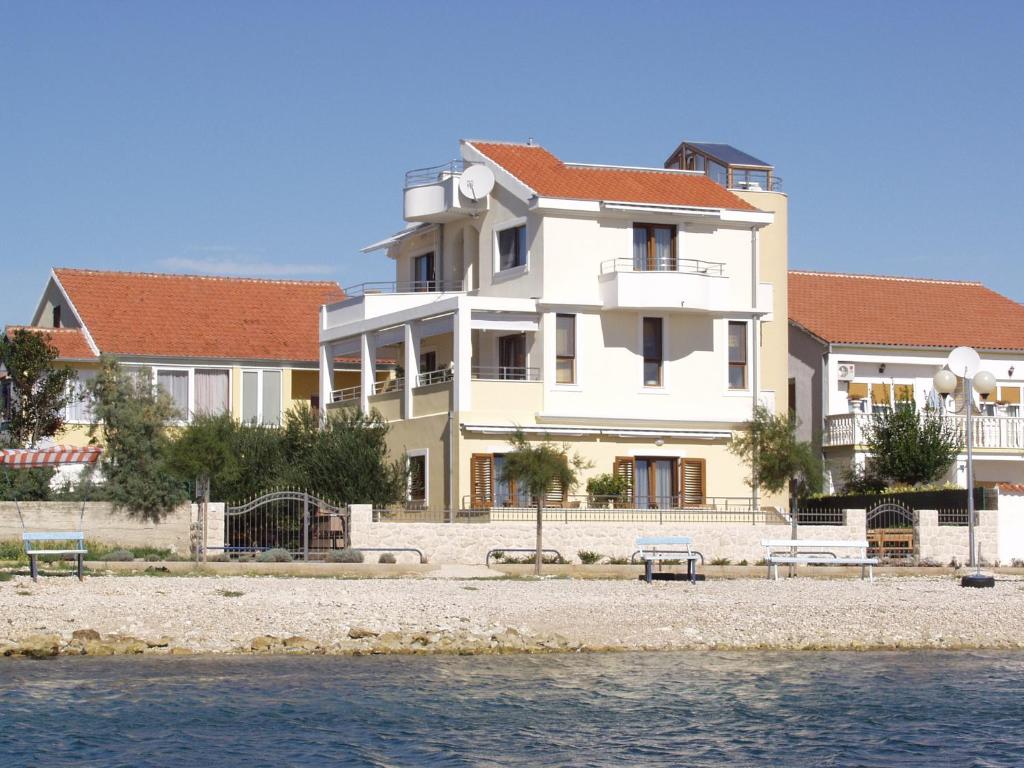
x: 721, y: 561
x: 1017, y: 563
x: 387, y: 558
x: 346, y: 555
x: 118, y: 556
x: 274, y: 556
x: 587, y: 557
x: 12, y: 550
x: 607, y: 487
x: 743, y: 562
x: 618, y: 561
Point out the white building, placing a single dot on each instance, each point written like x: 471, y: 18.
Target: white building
x: 636, y: 313
x: 859, y: 344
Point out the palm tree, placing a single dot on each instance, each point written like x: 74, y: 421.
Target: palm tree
x: 540, y: 468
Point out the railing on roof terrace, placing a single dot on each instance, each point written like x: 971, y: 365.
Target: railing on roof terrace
x: 504, y: 373
x: 406, y: 286
x: 388, y: 385
x: 664, y: 264
x: 346, y: 394
x: 440, y: 376
x: 419, y: 177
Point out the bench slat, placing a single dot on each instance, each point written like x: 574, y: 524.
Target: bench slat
x: 824, y: 544
x: 656, y: 541
x: 823, y: 560
x: 57, y: 552
x: 53, y: 536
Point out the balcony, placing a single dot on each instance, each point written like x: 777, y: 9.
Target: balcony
x: 997, y: 433
x: 689, y: 284
x: 432, y: 194
x: 369, y: 300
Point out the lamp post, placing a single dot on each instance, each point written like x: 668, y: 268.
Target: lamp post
x: 968, y: 361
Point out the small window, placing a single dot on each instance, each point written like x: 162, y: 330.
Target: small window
x: 418, y: 478
x: 512, y: 247
x: 424, y: 276
x: 175, y: 384
x: 261, y: 397
x: 56, y: 316
x: 565, y: 349
x: 653, y: 352
x: 271, y: 398
x: 737, y: 355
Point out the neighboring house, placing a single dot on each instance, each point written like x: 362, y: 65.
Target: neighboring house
x: 637, y: 314
x: 215, y: 344
x: 859, y: 344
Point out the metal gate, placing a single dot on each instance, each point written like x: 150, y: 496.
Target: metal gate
x: 890, y: 531
x: 300, y: 522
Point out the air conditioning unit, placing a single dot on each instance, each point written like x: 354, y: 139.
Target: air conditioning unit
x: 847, y: 371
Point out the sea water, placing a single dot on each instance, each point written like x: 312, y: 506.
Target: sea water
x: 695, y: 708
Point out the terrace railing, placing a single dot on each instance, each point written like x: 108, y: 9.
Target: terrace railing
x: 504, y: 373
x: 664, y: 264
x: 439, y: 376
x: 405, y: 286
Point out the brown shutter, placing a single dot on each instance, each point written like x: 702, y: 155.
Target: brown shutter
x: 880, y: 394
x: 556, y: 495
x: 481, y: 475
x: 625, y: 467
x: 858, y: 390
x: 904, y: 393
x: 692, y: 482
x: 1009, y: 395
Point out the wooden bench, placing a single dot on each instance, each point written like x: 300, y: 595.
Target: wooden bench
x: 661, y: 548
x: 76, y: 547
x: 807, y: 552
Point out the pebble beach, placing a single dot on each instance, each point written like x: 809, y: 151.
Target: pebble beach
x: 244, y: 615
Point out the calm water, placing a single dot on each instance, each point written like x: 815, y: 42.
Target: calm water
x: 806, y: 709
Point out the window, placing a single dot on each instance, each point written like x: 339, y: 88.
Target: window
x: 56, y: 316
x: 881, y: 398
x: 512, y: 247
x: 658, y: 482
x: 79, y: 407
x: 654, y: 248
x: 428, y: 362
x: 424, y: 277
x: 737, y: 355
x: 212, y: 391
x: 653, y: 351
x: 261, y: 397
x: 418, y: 478
x: 512, y: 357
x: 175, y: 384
x: 565, y: 349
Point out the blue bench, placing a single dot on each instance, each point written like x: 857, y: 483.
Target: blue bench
x: 75, y: 547
x: 652, y: 548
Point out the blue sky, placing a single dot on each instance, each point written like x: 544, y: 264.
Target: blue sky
x: 270, y: 139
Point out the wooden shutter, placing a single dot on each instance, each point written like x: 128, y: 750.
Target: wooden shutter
x: 858, y: 390
x: 625, y: 467
x: 1009, y: 395
x: 481, y: 476
x: 692, y: 482
x: 556, y: 496
x: 904, y: 393
x: 880, y: 394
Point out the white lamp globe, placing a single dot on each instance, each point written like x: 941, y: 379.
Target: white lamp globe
x: 984, y: 383
x: 944, y: 381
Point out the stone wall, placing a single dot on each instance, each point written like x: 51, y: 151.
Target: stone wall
x: 100, y: 523
x: 944, y: 543
x: 468, y: 543
x: 214, y: 525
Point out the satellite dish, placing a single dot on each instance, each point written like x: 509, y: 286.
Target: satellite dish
x: 964, y: 361
x: 476, y: 182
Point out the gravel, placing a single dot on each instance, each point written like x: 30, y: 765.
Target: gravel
x: 225, y: 614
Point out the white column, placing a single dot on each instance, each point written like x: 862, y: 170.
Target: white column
x: 463, y: 354
x: 326, y: 378
x: 411, y: 365
x: 367, y: 370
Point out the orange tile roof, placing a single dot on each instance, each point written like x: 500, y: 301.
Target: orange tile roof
x: 158, y: 315
x: 904, y: 311
x: 70, y: 342
x: 548, y: 176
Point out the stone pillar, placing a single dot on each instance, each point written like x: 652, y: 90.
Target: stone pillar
x: 926, y: 537
x: 360, y: 518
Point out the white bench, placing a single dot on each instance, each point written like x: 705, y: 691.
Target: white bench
x: 660, y: 548
x: 76, y: 547
x: 808, y: 552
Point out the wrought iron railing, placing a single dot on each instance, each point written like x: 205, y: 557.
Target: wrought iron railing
x: 664, y: 264
x: 504, y: 373
x: 810, y: 515
x: 404, y: 286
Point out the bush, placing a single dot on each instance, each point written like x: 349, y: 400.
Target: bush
x: 618, y: 561
x: 274, y: 556
x: 346, y: 555
x: 12, y: 549
x: 721, y: 561
x: 118, y: 556
x: 387, y: 558
x: 743, y: 562
x: 587, y: 557
x: 607, y: 487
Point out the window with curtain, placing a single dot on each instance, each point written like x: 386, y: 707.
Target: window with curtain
x: 512, y: 247
x: 506, y: 490
x: 653, y: 351
x: 271, y: 414
x: 213, y: 388
x: 250, y: 397
x: 654, y: 248
x: 655, y: 483
x: 565, y: 349
x: 175, y: 384
x: 737, y: 355
x: 79, y: 407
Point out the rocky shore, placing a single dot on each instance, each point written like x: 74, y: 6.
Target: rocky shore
x: 268, y: 615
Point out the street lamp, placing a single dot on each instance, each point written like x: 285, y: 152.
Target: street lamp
x: 968, y: 361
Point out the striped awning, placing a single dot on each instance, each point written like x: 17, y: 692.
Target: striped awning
x: 49, y: 457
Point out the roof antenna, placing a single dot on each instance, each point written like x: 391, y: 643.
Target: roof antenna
x: 529, y: 141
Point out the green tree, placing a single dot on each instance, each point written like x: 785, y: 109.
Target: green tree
x: 777, y: 459
x: 541, y: 468
x: 209, y: 447
x: 39, y: 392
x: 910, y: 447
x: 130, y: 419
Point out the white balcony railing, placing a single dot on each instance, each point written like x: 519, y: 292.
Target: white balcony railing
x: 992, y: 432
x: 664, y: 264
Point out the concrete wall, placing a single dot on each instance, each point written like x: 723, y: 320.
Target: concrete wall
x: 468, y: 543
x: 100, y: 523
x: 1010, y: 527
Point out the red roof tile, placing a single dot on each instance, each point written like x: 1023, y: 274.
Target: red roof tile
x: 156, y: 315
x: 904, y: 311
x: 1015, y: 488
x: 548, y: 176
x: 70, y: 342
